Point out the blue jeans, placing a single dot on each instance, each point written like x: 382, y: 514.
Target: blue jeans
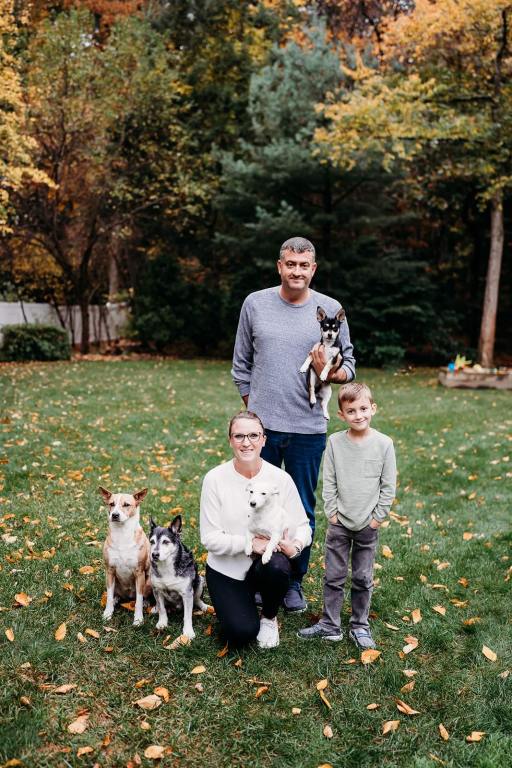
x: 302, y: 455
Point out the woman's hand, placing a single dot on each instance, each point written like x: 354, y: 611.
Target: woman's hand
x: 259, y: 544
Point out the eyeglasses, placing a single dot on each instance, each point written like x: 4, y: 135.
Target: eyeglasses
x: 253, y: 437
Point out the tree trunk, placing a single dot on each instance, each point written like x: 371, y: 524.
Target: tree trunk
x: 84, y: 340
x: 492, y: 284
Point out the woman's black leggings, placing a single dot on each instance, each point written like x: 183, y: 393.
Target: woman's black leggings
x: 233, y: 600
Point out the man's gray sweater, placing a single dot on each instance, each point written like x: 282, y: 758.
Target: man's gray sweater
x: 272, y: 341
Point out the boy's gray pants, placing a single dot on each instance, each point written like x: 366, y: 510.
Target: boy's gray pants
x: 338, y: 543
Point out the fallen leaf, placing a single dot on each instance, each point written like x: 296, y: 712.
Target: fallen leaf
x: 322, y: 684
x: 408, y: 687
x: 405, y: 708
x: 416, y: 616
x: 412, y: 644
x: 199, y: 687
x: 163, y: 693
x: 372, y: 706
x: 9, y: 635
x: 223, y: 652
x: 181, y: 640
x: 489, y: 654
x: 238, y: 663
x: 197, y: 670
x: 296, y: 710
x: 463, y: 581
x: 439, y: 609
x: 504, y: 674
x: 392, y: 626
x: 154, y: 752
x: 23, y: 599
x: 475, y: 736
x: 60, y: 632
x: 410, y: 672
x: 92, y: 633
x: 129, y: 606
x: 84, y: 751
x: 145, y: 726
x: 325, y: 699
x: 386, y: 552
x: 79, y: 725
x: 81, y: 638
x: 261, y: 690
x: 66, y: 688
x: 467, y: 536
x: 443, y: 732
x: 149, y: 702
x: 26, y: 701
x: 390, y: 726
x: 370, y: 655
x: 442, y: 566
x: 327, y: 732
x: 85, y: 569
x: 142, y: 682
x: 472, y: 620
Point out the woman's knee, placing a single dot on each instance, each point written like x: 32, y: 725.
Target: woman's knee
x: 277, y: 566
x: 237, y: 635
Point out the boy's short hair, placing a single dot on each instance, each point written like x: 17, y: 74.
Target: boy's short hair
x: 353, y: 391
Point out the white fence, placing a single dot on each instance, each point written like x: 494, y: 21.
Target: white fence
x: 105, y: 322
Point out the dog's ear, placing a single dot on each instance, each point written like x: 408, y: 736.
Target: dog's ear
x: 175, y: 526
x: 152, y: 525
x: 320, y: 314
x: 106, y: 494
x: 340, y: 315
x: 140, y: 495
x: 274, y: 490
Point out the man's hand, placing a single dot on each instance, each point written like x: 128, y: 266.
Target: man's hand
x: 318, y: 361
x: 259, y: 544
x: 333, y: 519
x: 288, y: 546
x: 374, y: 524
x: 245, y: 398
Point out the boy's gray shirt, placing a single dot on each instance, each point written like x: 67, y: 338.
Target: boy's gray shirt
x: 359, y: 478
x: 273, y: 339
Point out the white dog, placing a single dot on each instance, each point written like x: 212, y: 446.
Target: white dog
x: 266, y: 517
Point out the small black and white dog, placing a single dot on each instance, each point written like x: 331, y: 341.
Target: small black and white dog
x: 330, y: 339
x: 174, y: 577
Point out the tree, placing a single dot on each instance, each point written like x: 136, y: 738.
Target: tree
x: 443, y: 93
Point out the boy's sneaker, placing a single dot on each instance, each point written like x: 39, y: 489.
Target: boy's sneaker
x: 362, y: 638
x: 294, y: 601
x: 317, y: 631
x: 268, y: 636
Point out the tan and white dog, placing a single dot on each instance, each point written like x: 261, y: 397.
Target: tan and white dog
x: 126, y: 553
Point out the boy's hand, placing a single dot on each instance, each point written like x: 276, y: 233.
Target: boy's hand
x: 333, y: 519
x: 374, y: 524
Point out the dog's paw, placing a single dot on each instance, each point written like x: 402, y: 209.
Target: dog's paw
x: 266, y: 557
x: 138, y: 621
x: 323, y: 376
x: 161, y: 624
x: 303, y: 368
x: 107, y: 614
x: 189, y: 633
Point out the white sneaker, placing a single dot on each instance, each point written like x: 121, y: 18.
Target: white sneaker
x: 268, y: 636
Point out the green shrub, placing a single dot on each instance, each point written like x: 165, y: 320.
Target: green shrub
x: 34, y: 342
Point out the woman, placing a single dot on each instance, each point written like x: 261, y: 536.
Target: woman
x: 233, y: 578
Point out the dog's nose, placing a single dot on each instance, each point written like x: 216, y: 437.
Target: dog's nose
x: 115, y: 515
x: 252, y: 503
x: 155, y: 556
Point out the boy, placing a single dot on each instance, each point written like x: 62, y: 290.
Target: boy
x: 359, y: 480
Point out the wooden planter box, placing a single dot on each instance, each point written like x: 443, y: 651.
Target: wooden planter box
x: 466, y: 378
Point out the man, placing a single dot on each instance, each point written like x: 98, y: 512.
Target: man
x: 277, y: 329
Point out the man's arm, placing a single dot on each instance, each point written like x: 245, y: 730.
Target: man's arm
x: 243, y: 354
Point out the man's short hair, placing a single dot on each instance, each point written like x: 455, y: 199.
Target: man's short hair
x: 353, y: 391
x: 297, y: 245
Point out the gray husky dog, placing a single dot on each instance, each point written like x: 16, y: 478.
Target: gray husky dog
x: 174, y: 577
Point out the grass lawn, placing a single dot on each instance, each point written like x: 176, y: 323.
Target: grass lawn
x: 69, y: 427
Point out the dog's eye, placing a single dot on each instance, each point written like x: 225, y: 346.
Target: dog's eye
x: 151, y: 541
x: 126, y: 504
x: 111, y: 504
x: 166, y: 541
x: 263, y: 493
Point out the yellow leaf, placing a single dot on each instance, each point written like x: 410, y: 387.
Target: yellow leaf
x: 9, y: 635
x: 23, y: 599
x: 163, y: 692
x: 475, y: 736
x: 197, y: 670
x: 325, y: 765
x: 405, y: 708
x: 92, y: 633
x: 79, y: 725
x: 488, y: 653
x: 443, y: 732
x: 442, y: 566
x: 145, y: 726
x: 327, y: 732
x: 129, y: 606
x: 386, y: 552
x: 154, y: 752
x: 66, y: 688
x: 370, y: 655
x: 467, y: 536
x: 26, y: 701
x: 412, y: 643
x: 408, y: 687
x: 210, y: 609
x: 296, y: 710
x: 238, y: 663
x: 261, y: 690
x: 504, y: 674
x: 149, y: 702
x: 439, y: 609
x: 199, y: 687
x: 181, y: 640
x: 372, y: 706
x: 60, y: 632
x: 410, y: 672
x: 85, y: 569
x: 392, y: 626
x: 223, y: 652
x: 325, y: 699
x: 142, y: 682
x: 416, y: 616
x: 84, y: 751
x: 472, y: 495
x: 81, y: 638
x: 390, y: 726
x: 472, y: 620
x: 321, y: 685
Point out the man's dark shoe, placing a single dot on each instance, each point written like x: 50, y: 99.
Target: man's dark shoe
x: 294, y: 601
x: 318, y: 632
